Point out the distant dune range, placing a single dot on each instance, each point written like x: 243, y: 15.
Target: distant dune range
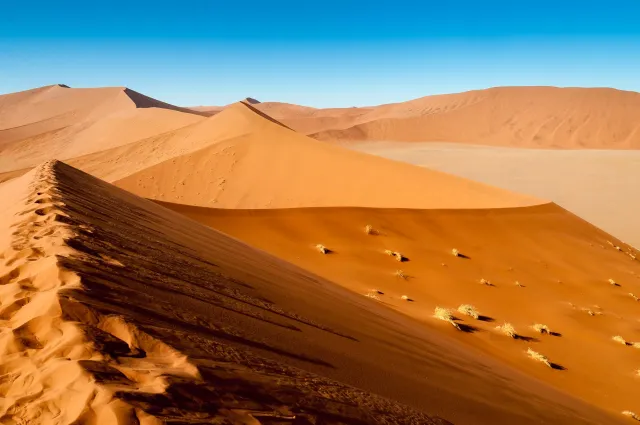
x: 527, y: 117
x: 117, y: 309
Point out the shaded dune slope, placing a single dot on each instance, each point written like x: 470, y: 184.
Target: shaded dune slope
x: 255, y: 162
x: 562, y: 263
x: 116, y: 310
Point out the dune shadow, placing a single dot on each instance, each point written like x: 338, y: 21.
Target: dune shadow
x: 467, y: 328
x: 556, y: 366
x: 486, y: 318
x: 527, y: 338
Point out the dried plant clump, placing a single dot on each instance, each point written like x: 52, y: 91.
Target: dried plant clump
x: 633, y: 296
x: 322, y: 249
x: 508, y: 330
x: 538, y: 357
x: 631, y: 415
x: 397, y: 255
x: 446, y: 315
x: 455, y: 252
x: 401, y: 275
x: 636, y: 345
x: 619, y: 339
x: 485, y: 282
x: 406, y: 298
x: 373, y: 294
x: 469, y: 310
x: 369, y: 230
x: 541, y: 329
x: 519, y: 284
x: 613, y: 282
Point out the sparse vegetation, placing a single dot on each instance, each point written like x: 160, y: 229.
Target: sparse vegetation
x: 397, y: 255
x: 613, y: 282
x: 508, y: 330
x: 406, y: 298
x: 401, y: 275
x: 446, y: 315
x: 631, y: 415
x: 369, y: 230
x: 633, y: 296
x: 469, y: 310
x: 322, y: 249
x: 373, y: 294
x: 541, y: 329
x: 455, y: 252
x: 519, y: 284
x: 619, y: 339
x: 636, y: 345
x: 485, y: 282
x: 538, y: 357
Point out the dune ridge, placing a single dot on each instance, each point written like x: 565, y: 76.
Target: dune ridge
x: 75, y: 354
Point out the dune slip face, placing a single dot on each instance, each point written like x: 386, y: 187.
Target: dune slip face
x: 107, y: 316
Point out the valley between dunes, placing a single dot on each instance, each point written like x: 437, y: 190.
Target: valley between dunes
x: 220, y: 267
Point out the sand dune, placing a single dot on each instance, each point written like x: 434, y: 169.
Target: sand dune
x: 537, y: 117
x: 255, y: 162
x: 598, y: 185
x: 116, y: 310
x: 60, y: 122
x: 562, y: 263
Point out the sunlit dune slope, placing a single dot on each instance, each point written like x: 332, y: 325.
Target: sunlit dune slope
x: 550, y: 117
x: 57, y: 121
x: 253, y: 161
x: 116, y: 310
x: 543, y: 266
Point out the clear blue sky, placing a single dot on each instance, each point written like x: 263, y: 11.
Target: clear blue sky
x: 318, y: 53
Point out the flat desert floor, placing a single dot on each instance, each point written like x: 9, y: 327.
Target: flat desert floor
x: 598, y: 185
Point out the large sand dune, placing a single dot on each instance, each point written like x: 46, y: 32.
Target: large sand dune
x: 61, y: 122
x: 538, y: 117
x: 562, y: 263
x: 116, y: 310
x: 255, y: 162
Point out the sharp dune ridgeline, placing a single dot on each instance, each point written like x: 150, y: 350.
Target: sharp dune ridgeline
x: 170, y: 269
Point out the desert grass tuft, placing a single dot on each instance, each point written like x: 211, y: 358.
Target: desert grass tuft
x: 469, y: 310
x: 406, y: 298
x: 541, y: 329
x: 613, y: 282
x: 322, y: 249
x: 519, y: 284
x: 373, y: 294
x: 633, y: 296
x: 631, y: 415
x: 508, y: 330
x: 485, y: 282
x: 538, y: 357
x: 635, y: 344
x: 619, y: 339
x: 446, y: 315
x: 397, y: 255
x: 401, y: 275
x: 455, y: 252
x: 369, y: 230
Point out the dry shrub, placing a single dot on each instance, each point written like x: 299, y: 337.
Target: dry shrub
x: 469, y: 310
x: 369, y: 230
x: 401, y: 275
x: 540, y: 328
x: 322, y: 249
x: 538, y: 357
x: 631, y: 415
x: 455, y: 252
x: 508, y: 330
x: 619, y: 339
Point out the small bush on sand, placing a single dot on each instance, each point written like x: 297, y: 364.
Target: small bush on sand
x: 469, y: 310
x: 508, y: 330
x: 369, y: 230
x: 397, y: 255
x: 631, y: 415
x: 446, y: 315
x: 619, y: 340
x: 636, y: 345
x: 401, y: 275
x: 538, y: 357
x: 541, y: 329
x: 406, y: 298
x: 519, y: 284
x: 485, y: 282
x: 613, y: 282
x: 373, y: 294
x: 633, y: 296
x: 455, y: 252
x: 322, y: 249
